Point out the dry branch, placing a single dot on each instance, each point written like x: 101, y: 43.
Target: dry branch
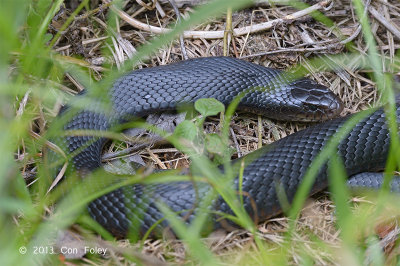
x: 181, y: 3
x: 220, y: 33
x: 379, y: 17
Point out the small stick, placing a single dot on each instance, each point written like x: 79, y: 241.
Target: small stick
x: 228, y: 31
x: 308, y: 49
x: 159, y: 9
x: 220, y: 33
x: 379, y: 17
x: 234, y: 48
x: 288, y: 50
x: 101, y: 8
x: 259, y: 131
x: 75, y: 82
x: 239, y: 153
x: 156, y: 159
x: 181, y: 41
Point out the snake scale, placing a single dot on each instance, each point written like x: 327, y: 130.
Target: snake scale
x: 269, y: 92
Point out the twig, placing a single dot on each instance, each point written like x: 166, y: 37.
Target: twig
x: 181, y: 3
x: 147, y: 6
x: 288, y: 50
x: 228, y: 31
x: 75, y: 82
x: 156, y: 159
x: 393, y: 7
x: 379, y: 17
x: 239, y: 153
x: 358, y: 30
x: 159, y: 9
x: 309, y: 49
x: 353, y: 36
x: 220, y: 33
x: 390, y: 38
x: 165, y: 150
x: 181, y: 41
x: 259, y: 131
x: 113, y: 155
x: 273, y: 129
x: 23, y: 103
x: 101, y: 8
x: 59, y: 151
x: 137, y: 147
x: 386, y: 242
x: 315, y: 49
x: 234, y: 48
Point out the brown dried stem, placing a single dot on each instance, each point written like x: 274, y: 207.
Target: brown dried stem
x: 190, y: 34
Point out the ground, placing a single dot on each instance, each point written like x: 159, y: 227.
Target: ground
x: 289, y: 43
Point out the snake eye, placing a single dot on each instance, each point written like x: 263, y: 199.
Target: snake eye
x: 311, y: 107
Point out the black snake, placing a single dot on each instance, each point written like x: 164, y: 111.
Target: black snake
x: 270, y: 92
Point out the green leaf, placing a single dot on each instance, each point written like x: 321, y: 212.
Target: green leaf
x: 209, y: 106
x: 214, y: 144
x: 189, y: 236
x: 341, y: 196
x: 186, y: 130
x: 47, y: 37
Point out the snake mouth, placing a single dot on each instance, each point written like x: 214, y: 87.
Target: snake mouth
x: 320, y: 113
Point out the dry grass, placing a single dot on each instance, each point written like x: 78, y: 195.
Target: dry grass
x: 282, y: 47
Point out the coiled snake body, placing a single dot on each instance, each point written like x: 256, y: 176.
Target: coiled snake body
x: 270, y: 92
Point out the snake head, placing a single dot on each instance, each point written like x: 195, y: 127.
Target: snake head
x: 314, y: 102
